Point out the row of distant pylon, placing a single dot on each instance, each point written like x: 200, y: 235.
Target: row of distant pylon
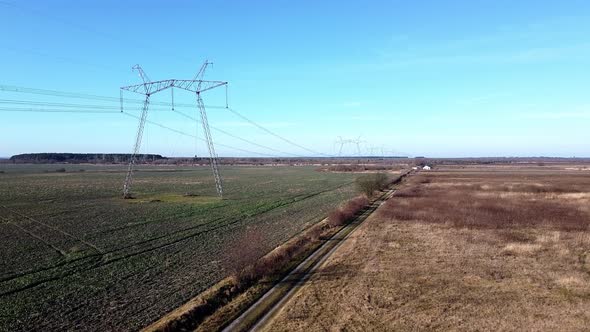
x: 359, y: 147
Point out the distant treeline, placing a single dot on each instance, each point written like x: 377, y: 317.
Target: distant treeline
x: 78, y: 158
x: 118, y: 158
x: 497, y: 160
x: 342, y: 164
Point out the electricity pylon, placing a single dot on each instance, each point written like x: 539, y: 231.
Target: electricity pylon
x: 197, y: 85
x: 358, y: 142
x: 354, y: 142
x: 341, y: 142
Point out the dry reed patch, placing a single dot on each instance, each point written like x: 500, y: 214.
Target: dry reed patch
x: 468, y: 204
x: 521, y: 248
x: 443, y: 258
x: 571, y: 282
x: 440, y: 278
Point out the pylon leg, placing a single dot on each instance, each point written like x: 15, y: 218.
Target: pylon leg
x: 212, y: 155
x: 130, y: 168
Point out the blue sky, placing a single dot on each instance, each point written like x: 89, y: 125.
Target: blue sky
x: 434, y: 78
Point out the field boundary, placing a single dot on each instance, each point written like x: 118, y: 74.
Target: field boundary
x: 220, y: 305
x: 259, y: 313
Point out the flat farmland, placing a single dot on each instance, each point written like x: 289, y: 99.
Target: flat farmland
x: 476, y: 248
x: 75, y: 255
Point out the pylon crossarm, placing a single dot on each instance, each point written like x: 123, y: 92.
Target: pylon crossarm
x: 207, y: 85
x: 189, y: 85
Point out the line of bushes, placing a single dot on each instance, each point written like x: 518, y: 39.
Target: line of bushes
x: 347, y: 212
x: 367, y: 185
x: 246, y: 261
x: 243, y: 257
x: 247, y: 264
x: 359, y: 168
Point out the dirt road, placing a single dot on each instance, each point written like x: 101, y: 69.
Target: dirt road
x: 259, y: 314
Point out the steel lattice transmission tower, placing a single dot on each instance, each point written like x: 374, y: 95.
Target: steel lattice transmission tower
x: 197, y: 86
x: 355, y: 142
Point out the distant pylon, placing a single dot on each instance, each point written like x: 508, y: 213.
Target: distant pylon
x: 354, y: 142
x: 357, y: 142
x: 148, y: 88
x: 341, y: 142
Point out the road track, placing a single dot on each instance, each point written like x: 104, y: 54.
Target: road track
x: 263, y: 310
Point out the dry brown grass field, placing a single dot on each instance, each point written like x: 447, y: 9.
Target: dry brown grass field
x: 460, y: 248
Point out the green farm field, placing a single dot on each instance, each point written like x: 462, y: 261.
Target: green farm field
x: 75, y: 255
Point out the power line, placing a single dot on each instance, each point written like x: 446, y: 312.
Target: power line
x: 199, y: 138
x: 90, y: 109
x: 93, y: 108
x: 44, y: 103
x: 63, y: 59
x: 55, y: 93
x: 78, y: 106
x: 83, y: 111
x: 268, y: 131
x: 237, y: 137
x: 46, y: 110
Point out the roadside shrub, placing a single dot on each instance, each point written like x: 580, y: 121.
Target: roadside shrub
x: 354, y: 205
x: 60, y: 170
x: 347, y: 212
x: 315, y: 233
x: 245, y: 258
x: 369, y: 183
x: 336, y: 218
x: 242, y: 254
x: 271, y: 264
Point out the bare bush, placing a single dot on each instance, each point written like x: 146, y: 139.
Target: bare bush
x: 369, y: 183
x: 354, y: 205
x: 245, y: 258
x: 271, y: 264
x: 242, y: 254
x: 336, y: 218
x: 315, y: 233
x: 347, y: 212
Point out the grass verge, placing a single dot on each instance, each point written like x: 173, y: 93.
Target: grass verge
x: 221, y: 304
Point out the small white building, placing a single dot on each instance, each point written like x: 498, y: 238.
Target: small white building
x: 427, y: 168
x: 415, y: 168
